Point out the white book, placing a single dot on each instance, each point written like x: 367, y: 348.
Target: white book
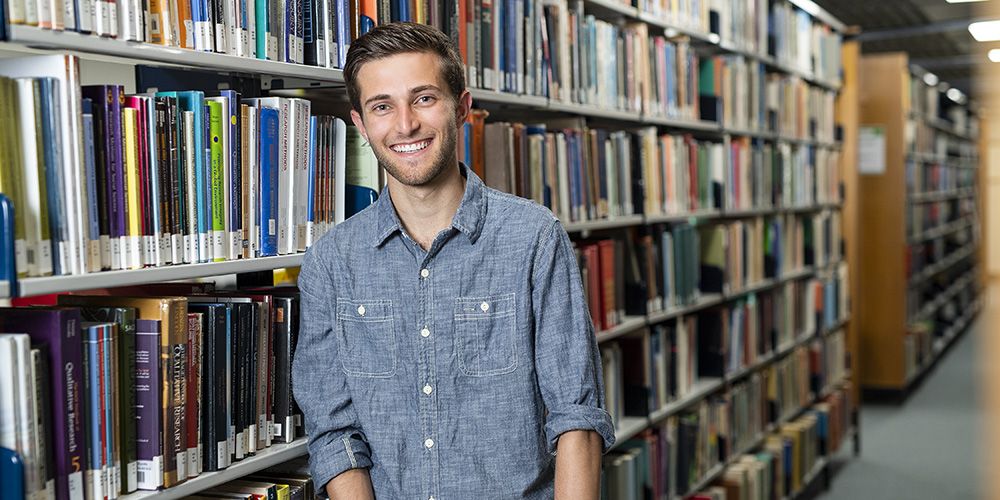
x: 35, y: 257
x: 301, y: 196
x: 17, y: 400
x: 339, y: 170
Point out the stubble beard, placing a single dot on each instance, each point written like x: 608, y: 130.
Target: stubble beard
x: 411, y: 177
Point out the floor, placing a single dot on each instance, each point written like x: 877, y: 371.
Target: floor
x: 929, y: 446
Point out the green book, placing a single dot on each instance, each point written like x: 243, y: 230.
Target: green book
x: 217, y: 151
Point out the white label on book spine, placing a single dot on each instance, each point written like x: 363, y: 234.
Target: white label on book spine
x: 236, y: 244
x: 289, y: 429
x: 192, y: 458
x: 21, y: 255
x: 232, y: 440
x: 240, y: 451
x: 222, y: 453
x: 95, y: 483
x: 271, y: 224
x: 277, y: 430
x: 181, y: 459
x: 50, y: 490
x: 176, y: 248
x: 64, y: 263
x: 132, y: 471
x: 116, y: 254
x: 94, y: 259
x: 75, y: 481
x: 252, y: 440
x: 203, y: 247
x: 105, y: 243
x: 200, y: 457
x: 149, y: 473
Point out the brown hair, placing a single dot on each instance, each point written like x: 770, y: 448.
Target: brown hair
x: 398, y: 38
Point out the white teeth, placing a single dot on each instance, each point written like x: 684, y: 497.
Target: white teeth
x: 409, y: 148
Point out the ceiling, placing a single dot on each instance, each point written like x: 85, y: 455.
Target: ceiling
x: 934, y: 33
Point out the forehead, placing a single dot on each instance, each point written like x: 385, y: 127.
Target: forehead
x: 399, y: 73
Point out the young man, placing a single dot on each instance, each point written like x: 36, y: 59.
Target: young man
x: 446, y: 350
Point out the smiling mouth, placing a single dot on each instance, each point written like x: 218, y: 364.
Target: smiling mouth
x: 412, y: 147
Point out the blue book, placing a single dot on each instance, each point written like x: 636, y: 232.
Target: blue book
x: 90, y: 168
x: 11, y: 466
x: 400, y: 11
x: 342, y: 31
x: 510, y: 51
x: 467, y: 143
x: 261, y: 11
x: 194, y: 101
x: 58, y: 228
x: 7, y: 271
x: 311, y: 183
x: 269, y: 144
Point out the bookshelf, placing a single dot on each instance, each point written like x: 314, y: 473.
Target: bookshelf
x: 921, y: 229
x: 320, y: 83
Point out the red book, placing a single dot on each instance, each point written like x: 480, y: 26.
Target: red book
x: 591, y: 256
x: 606, y: 249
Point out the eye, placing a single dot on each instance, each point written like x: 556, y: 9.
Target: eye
x: 380, y: 108
x: 426, y: 99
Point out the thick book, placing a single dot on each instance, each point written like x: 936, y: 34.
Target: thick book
x: 59, y: 328
x: 149, y: 421
x: 194, y: 394
x: 172, y: 313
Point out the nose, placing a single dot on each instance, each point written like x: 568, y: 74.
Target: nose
x: 406, y: 121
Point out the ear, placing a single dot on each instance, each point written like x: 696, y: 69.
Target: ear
x: 358, y: 122
x: 463, y: 107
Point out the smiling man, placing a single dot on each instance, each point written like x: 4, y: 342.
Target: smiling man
x: 445, y: 349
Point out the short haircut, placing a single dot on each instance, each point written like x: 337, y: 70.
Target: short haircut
x: 398, y: 38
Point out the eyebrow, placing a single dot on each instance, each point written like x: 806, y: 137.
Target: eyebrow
x: 414, y: 90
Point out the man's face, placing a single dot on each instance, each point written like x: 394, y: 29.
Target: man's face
x: 409, y: 116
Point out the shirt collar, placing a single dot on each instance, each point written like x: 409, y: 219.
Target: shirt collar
x: 468, y: 219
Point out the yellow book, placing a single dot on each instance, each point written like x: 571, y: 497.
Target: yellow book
x: 282, y: 491
x: 134, y: 233
x: 10, y: 170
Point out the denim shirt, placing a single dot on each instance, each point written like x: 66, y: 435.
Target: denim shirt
x: 450, y: 373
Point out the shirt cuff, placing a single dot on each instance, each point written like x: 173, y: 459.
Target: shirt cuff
x: 339, y: 454
x: 575, y: 417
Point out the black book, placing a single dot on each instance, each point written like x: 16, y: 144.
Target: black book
x: 214, y: 421
x: 687, y: 443
x: 711, y: 357
x: 284, y: 417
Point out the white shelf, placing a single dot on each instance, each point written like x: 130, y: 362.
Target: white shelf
x: 107, y: 279
x: 628, y: 427
x: 139, y: 53
x: 683, y: 217
x: 276, y: 454
x: 703, y: 387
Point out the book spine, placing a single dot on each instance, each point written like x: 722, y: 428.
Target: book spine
x: 96, y: 486
x: 125, y: 318
x: 302, y: 173
x: 235, y: 179
x: 217, y: 143
x: 149, y: 439
x: 194, y: 393
x: 173, y: 370
x: 269, y: 181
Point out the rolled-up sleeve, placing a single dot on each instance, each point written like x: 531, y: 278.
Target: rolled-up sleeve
x: 336, y: 440
x: 566, y: 355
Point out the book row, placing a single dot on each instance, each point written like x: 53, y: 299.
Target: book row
x: 665, y: 267
x: 670, y: 459
x: 923, y: 333
x: 104, y: 180
x: 646, y: 371
x: 739, y: 93
x: 583, y: 173
x: 932, y: 177
x: 921, y: 217
x: 110, y: 394
x: 929, y: 101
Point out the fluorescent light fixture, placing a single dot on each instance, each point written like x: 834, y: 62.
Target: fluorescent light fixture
x: 985, y: 31
x: 994, y: 55
x: 955, y: 94
x: 930, y: 79
x: 962, y: 1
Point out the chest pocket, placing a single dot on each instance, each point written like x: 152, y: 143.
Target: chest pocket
x: 485, y: 334
x: 366, y: 339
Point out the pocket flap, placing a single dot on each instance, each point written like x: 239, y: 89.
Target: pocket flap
x: 485, y: 307
x: 364, y: 310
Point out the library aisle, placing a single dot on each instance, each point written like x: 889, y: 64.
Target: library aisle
x: 930, y: 446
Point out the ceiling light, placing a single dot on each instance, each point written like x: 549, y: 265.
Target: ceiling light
x: 985, y: 31
x: 962, y: 1
x: 930, y: 79
x: 954, y: 94
x: 994, y: 55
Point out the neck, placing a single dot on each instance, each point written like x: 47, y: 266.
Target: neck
x: 425, y: 211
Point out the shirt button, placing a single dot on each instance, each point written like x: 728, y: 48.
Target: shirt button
x: 429, y: 443
x: 425, y: 273
x: 428, y: 389
x: 361, y: 310
x: 484, y: 306
x: 425, y: 333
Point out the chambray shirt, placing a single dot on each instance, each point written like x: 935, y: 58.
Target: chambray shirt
x: 450, y: 373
